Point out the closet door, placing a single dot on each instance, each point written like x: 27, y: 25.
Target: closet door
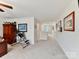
x: 9, y: 33
x: 5, y: 32
x: 12, y: 34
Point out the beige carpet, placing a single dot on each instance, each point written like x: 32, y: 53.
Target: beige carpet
x: 41, y: 50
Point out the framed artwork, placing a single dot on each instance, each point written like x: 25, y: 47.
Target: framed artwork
x: 22, y: 27
x: 56, y: 26
x: 59, y: 26
x: 69, y: 22
x: 52, y: 27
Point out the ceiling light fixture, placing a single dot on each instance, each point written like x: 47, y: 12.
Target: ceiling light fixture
x: 6, y: 6
x: 2, y: 10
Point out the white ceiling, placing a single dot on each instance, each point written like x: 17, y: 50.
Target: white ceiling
x: 40, y: 9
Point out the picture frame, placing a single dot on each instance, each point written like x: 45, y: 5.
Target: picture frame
x: 22, y: 27
x: 52, y: 27
x: 69, y: 22
x: 56, y: 26
x: 59, y: 26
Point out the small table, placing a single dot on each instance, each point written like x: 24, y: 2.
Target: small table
x: 3, y: 48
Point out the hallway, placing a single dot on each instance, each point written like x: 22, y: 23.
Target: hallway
x: 42, y: 50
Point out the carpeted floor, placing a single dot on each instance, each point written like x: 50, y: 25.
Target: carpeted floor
x: 41, y: 50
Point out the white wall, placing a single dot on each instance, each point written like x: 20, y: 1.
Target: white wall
x: 30, y: 26
x: 69, y: 41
